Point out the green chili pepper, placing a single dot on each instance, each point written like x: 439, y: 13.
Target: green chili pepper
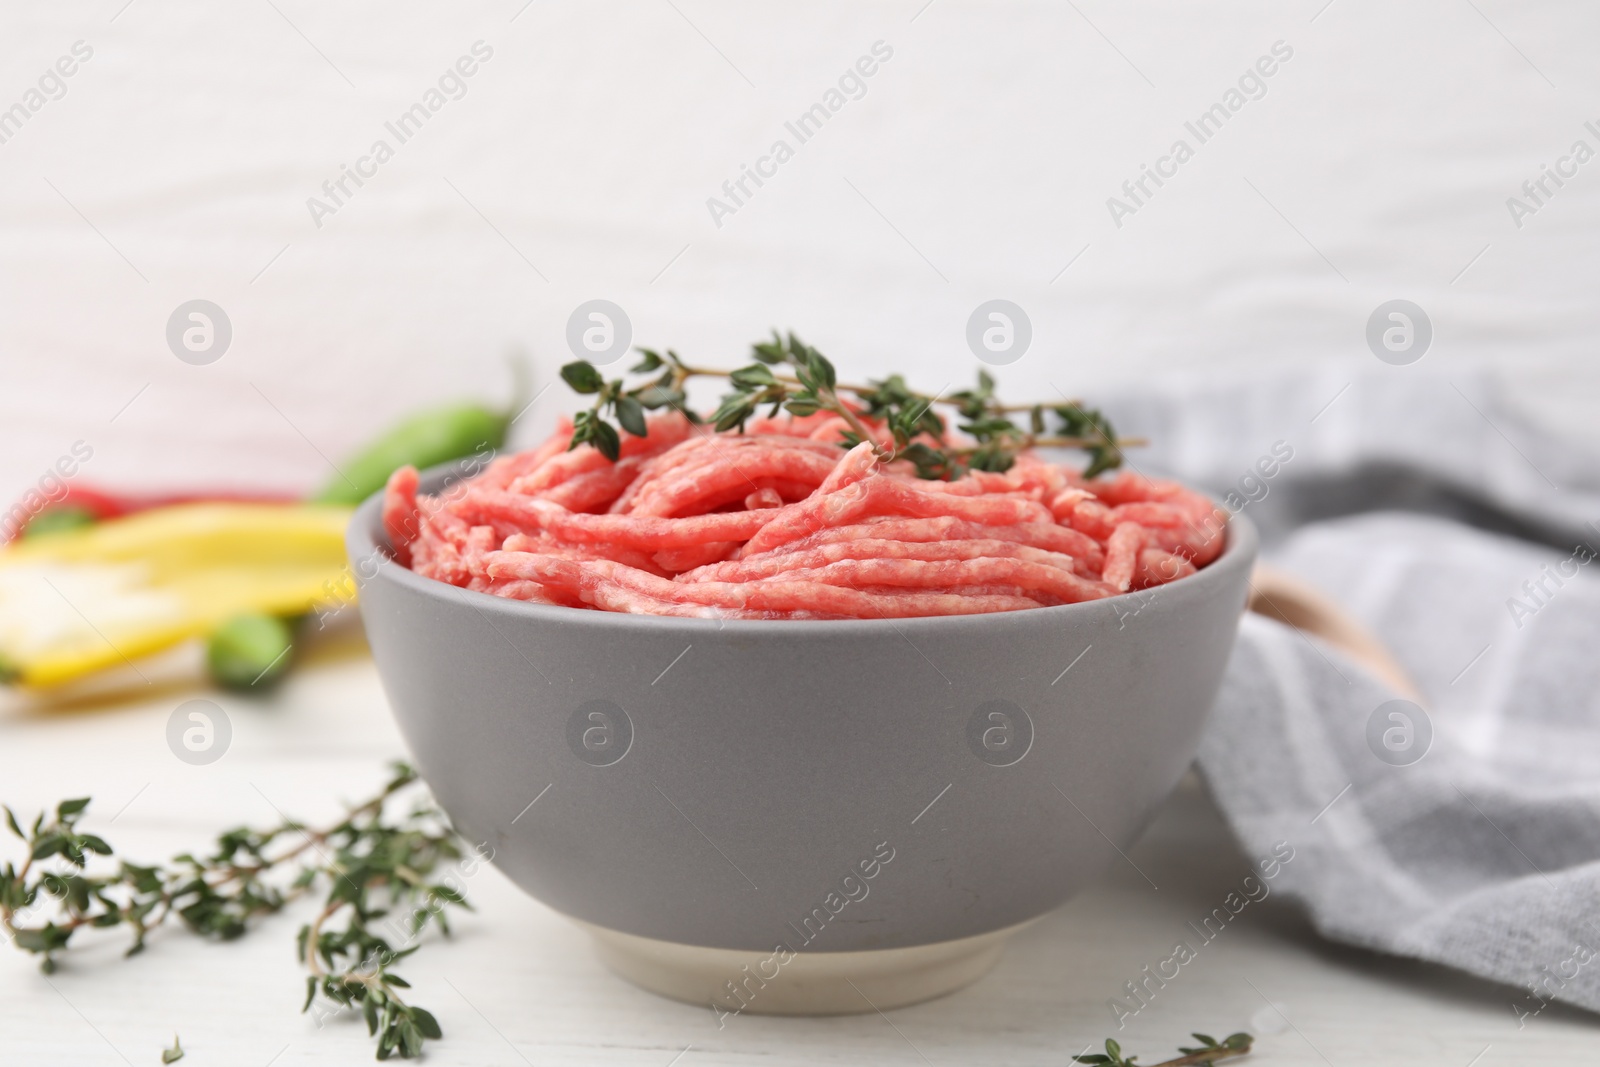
x: 55, y: 519
x: 250, y: 651
x: 424, y: 440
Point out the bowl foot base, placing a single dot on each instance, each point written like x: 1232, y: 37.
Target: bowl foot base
x: 733, y: 981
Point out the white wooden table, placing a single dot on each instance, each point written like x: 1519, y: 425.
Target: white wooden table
x: 518, y: 984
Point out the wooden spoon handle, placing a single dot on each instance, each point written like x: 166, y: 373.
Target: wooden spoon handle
x: 1294, y: 603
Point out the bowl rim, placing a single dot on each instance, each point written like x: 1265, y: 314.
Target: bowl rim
x: 365, y: 539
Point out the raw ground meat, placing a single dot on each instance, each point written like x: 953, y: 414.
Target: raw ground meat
x: 779, y: 523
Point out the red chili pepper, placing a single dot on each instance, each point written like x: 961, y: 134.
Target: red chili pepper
x: 107, y: 504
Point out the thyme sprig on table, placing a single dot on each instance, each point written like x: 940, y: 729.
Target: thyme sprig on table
x: 1203, y: 1055
x: 373, y: 866
x: 790, y: 375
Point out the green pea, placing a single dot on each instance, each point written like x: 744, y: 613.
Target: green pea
x: 250, y: 652
x: 424, y: 440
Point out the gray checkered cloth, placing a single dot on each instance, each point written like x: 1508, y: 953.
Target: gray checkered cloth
x: 1460, y: 535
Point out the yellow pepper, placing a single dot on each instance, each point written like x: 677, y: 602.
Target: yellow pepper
x: 82, y: 600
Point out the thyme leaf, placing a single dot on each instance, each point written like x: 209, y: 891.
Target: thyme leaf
x: 789, y: 375
x: 1205, y: 1054
x: 384, y: 876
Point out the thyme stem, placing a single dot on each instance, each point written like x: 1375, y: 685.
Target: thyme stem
x: 377, y: 866
x: 899, y: 422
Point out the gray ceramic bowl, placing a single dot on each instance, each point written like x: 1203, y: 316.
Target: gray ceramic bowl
x: 830, y: 786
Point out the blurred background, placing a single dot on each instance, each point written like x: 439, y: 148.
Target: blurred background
x: 576, y: 162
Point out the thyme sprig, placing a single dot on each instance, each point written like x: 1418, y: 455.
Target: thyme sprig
x: 1205, y: 1054
x: 383, y: 877
x: 790, y: 375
